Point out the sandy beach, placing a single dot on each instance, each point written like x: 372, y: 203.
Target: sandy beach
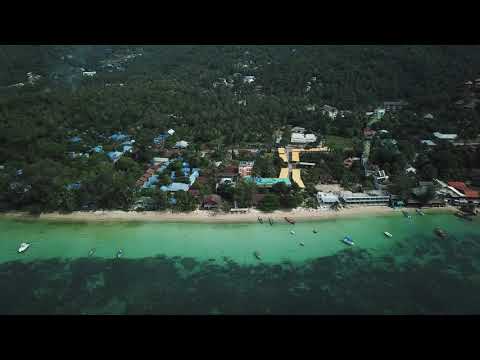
x: 203, y: 216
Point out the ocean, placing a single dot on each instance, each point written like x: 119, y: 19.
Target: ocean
x: 188, y: 268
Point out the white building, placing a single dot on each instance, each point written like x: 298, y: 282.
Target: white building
x: 410, y: 169
x: 379, y: 113
x: 310, y: 107
x: 428, y: 142
x: 448, y: 137
x: 298, y: 138
x: 248, y: 79
x: 372, y: 198
x: 159, y: 160
x: 181, y: 144
x: 89, y: 73
x: 171, y: 132
x: 327, y: 198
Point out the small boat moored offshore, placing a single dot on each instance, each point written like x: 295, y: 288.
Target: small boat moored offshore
x: 289, y: 220
x: 420, y: 212
x: 348, y: 240
x: 119, y: 253
x: 257, y: 255
x: 406, y: 214
x: 315, y: 231
x: 292, y: 232
x: 260, y: 220
x: 23, y: 247
x: 441, y: 233
x: 302, y: 243
x: 387, y: 234
x: 270, y: 221
x: 91, y: 252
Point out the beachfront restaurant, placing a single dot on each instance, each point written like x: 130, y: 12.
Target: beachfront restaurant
x: 370, y: 198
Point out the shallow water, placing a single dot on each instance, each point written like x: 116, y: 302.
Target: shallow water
x: 210, y: 268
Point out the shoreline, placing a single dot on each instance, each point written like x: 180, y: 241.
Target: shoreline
x: 204, y: 216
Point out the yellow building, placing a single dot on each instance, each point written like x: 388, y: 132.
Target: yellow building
x: 297, y: 179
x: 296, y: 155
x: 283, y: 173
x: 282, y: 154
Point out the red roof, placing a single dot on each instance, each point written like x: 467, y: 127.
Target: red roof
x: 464, y: 188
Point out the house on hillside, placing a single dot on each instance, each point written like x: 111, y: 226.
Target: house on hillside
x: 445, y: 137
x: 330, y: 111
x: 114, y: 155
x: 369, y: 133
x: 119, y: 137
x: 428, y: 142
x: 181, y: 144
x: 394, y: 106
x: 245, y: 168
x: 348, y: 162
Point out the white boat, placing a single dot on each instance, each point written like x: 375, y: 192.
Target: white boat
x: 23, y: 247
x: 348, y: 240
x: 387, y: 234
x: 292, y: 232
x: 119, y: 253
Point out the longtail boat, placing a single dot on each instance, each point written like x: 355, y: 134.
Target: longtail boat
x: 289, y: 220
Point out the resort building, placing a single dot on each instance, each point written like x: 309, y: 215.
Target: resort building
x: 299, y: 138
x: 327, y: 198
x: 297, y: 178
x: 464, y: 189
x: 282, y: 154
x: 245, y: 168
x: 283, y: 173
x: 295, y: 155
x: 370, y: 198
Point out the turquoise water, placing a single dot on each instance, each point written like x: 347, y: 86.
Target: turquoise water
x: 178, y: 268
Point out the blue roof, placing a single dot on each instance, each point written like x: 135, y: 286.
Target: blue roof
x: 127, y: 148
x: 172, y: 175
x: 119, y: 137
x: 76, y: 139
x: 98, y: 149
x: 175, y: 187
x: 194, y: 176
x: 73, y: 186
x: 114, y: 155
x: 160, y: 138
x: 172, y: 201
x: 152, y: 180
